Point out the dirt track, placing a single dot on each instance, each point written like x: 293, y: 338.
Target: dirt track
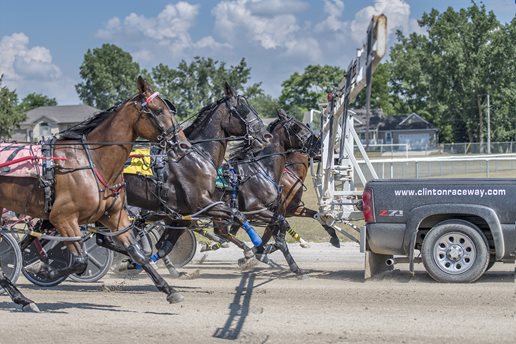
x: 224, y: 305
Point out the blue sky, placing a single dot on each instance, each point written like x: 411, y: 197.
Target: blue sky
x: 42, y: 43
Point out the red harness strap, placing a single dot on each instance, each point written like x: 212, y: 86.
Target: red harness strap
x: 15, y: 161
x: 115, y: 189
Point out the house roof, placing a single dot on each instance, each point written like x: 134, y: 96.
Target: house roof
x: 61, y: 113
x: 378, y: 121
x: 405, y: 122
x: 375, y: 119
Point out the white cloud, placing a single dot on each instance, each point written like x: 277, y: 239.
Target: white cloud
x: 234, y: 19
x: 30, y: 69
x: 20, y: 62
x: 166, y: 35
x: 277, y: 7
x: 334, y: 9
x: 397, y: 12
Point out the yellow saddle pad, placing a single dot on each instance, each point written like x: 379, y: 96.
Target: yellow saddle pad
x: 140, y: 162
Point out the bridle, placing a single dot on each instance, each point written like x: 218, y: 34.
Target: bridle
x: 241, y: 111
x: 309, y: 139
x: 166, y: 135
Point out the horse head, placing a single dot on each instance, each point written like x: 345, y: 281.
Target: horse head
x: 295, y: 135
x: 157, y: 121
x: 244, y: 120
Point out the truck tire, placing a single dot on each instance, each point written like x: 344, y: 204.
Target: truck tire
x: 455, y: 251
x: 492, y: 261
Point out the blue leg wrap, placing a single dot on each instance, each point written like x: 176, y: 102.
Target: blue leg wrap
x: 255, y: 238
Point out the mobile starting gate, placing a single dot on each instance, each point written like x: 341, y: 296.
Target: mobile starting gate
x: 338, y: 199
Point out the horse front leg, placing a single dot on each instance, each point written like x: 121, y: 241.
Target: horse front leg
x: 16, y: 295
x: 222, y: 214
x: 135, y: 252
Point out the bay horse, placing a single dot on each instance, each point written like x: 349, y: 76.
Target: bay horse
x: 88, y: 184
x: 259, y: 194
x: 292, y: 181
x: 187, y: 185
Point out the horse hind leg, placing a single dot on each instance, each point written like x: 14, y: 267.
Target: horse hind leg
x: 302, y: 211
x: 79, y: 261
x: 281, y: 244
x: 173, y: 296
x: 16, y: 295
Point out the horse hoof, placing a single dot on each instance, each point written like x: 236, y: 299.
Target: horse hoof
x: 31, y: 307
x: 247, y: 263
x: 175, y: 297
x: 304, y: 244
x: 302, y: 275
x: 335, y: 242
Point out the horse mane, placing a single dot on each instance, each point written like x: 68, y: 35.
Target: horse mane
x: 201, y: 116
x: 85, y: 127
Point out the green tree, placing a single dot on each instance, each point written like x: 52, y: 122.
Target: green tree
x: 109, y: 75
x: 265, y: 105
x: 10, y: 116
x: 304, y: 91
x: 193, y: 85
x: 34, y: 100
x: 446, y: 74
x: 380, y: 91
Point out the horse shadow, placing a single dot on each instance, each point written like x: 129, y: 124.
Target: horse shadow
x: 60, y: 307
x: 238, y: 309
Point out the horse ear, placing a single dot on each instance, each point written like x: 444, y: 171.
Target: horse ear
x: 282, y: 114
x: 228, y: 91
x: 143, y: 86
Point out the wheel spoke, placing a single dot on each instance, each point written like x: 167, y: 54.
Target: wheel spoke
x: 95, y: 262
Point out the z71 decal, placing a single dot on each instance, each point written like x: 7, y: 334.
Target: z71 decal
x: 389, y: 213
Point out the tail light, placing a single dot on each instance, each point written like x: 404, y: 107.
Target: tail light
x: 367, y: 198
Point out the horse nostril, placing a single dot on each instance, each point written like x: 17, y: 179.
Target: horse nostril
x: 267, y: 136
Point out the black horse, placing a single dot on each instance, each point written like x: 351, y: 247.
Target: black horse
x: 186, y: 184
x: 258, y: 192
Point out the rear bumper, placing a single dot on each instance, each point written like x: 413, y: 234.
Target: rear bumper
x: 385, y: 238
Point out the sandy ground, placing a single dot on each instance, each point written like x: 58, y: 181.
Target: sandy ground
x: 223, y: 305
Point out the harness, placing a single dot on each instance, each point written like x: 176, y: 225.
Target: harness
x: 47, y: 179
x: 228, y: 179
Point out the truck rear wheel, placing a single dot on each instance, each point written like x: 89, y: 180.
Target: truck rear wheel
x: 455, y: 251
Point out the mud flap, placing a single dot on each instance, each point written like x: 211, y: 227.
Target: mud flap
x: 375, y: 264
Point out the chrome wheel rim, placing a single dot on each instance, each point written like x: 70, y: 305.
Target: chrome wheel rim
x: 454, y: 253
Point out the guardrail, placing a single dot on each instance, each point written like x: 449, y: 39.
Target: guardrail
x: 501, y: 165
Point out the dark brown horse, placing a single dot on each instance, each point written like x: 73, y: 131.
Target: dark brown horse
x: 292, y: 181
x: 88, y: 184
x: 259, y: 194
x: 187, y: 185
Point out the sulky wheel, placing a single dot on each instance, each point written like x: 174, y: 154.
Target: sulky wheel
x: 10, y: 257
x: 455, y: 251
x: 58, y: 257
x: 184, y: 249
x: 99, y: 262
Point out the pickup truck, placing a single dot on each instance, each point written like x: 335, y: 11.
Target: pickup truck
x: 460, y: 226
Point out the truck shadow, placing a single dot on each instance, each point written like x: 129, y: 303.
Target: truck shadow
x: 405, y: 276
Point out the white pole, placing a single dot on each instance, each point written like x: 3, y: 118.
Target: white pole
x: 488, y: 126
